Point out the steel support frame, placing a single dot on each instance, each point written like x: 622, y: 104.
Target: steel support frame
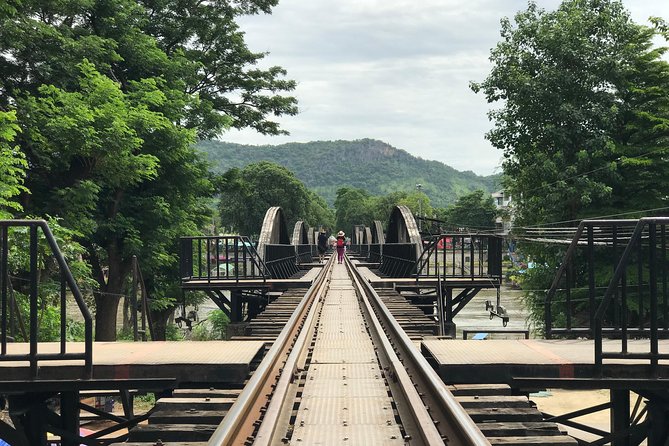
x: 628, y: 427
x: 33, y: 415
x: 453, y: 305
x: 33, y: 419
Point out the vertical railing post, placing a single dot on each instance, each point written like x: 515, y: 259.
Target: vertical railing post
x: 652, y: 278
x: 591, y: 278
x: 133, y: 299
x: 616, y: 304
x: 598, y: 347
x: 4, y: 286
x: 568, y: 279
x: 63, y: 314
x: 624, y: 316
x: 640, y: 281
x: 665, y: 309
x: 186, y: 258
x: 33, y: 300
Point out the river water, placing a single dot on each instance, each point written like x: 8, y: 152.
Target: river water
x: 475, y: 317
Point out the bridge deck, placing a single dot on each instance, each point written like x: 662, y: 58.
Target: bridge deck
x: 428, y: 282
x: 186, y: 361
x: 304, y: 281
x: 345, y: 398
x: 498, y: 361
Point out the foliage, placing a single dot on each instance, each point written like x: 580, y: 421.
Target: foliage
x: 353, y: 207
x: 110, y: 96
x: 260, y: 186
x: 325, y: 166
x: 475, y: 210
x: 583, y: 119
x: 584, y: 115
x: 219, y: 321
x: 48, y: 276
x: 356, y: 206
x: 12, y: 166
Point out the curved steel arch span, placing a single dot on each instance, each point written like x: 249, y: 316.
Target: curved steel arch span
x: 274, y: 230
x: 403, y: 238
x: 377, y: 233
x: 367, y: 236
x: 402, y: 227
x: 301, y: 234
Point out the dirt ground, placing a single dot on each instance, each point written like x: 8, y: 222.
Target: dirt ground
x: 560, y: 402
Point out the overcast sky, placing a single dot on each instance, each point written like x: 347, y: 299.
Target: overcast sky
x: 393, y: 70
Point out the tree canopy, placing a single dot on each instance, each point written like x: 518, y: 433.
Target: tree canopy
x: 246, y: 195
x: 583, y: 112
x: 12, y: 166
x: 110, y: 96
x: 475, y: 211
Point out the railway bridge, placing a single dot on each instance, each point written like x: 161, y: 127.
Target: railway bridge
x: 363, y: 352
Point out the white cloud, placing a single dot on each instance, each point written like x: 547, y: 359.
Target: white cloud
x: 394, y: 70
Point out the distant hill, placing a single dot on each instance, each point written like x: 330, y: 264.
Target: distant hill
x: 325, y: 166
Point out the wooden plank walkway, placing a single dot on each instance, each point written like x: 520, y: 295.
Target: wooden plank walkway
x: 186, y: 361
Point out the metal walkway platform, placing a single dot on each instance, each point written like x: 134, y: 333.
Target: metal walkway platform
x: 304, y: 281
x: 185, y: 361
x: 499, y: 361
x: 345, y: 399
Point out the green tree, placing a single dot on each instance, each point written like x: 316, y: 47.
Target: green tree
x: 318, y: 212
x: 111, y: 95
x: 475, y: 211
x: 247, y: 194
x: 353, y: 207
x: 12, y: 166
x: 583, y: 120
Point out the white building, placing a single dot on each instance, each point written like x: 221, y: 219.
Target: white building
x: 504, y: 203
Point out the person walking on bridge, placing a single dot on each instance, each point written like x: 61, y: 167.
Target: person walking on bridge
x: 322, y: 245
x: 341, y: 246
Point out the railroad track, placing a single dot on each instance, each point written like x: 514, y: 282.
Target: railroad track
x: 344, y: 371
x: 342, y: 381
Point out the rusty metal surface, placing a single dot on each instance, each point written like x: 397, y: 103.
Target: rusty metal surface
x: 521, y: 351
x: 224, y: 361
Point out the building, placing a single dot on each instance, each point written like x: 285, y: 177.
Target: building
x: 503, y: 202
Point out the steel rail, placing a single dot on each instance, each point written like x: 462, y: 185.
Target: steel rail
x: 409, y: 401
x: 270, y: 421
x: 243, y: 417
x: 455, y: 426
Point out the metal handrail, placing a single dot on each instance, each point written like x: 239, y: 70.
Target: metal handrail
x: 246, y: 263
x: 66, y: 280
x: 468, y: 269
x: 618, y: 276
x: 566, y: 266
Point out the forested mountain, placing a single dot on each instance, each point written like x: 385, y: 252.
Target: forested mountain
x: 325, y: 166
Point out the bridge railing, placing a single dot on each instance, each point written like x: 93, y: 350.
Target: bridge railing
x: 584, y: 274
x: 230, y: 257
x: 398, y: 259
x: 463, y: 256
x: 281, y: 261
x: 375, y: 252
x: 640, y: 278
x: 31, y: 229
x: 361, y: 250
x: 304, y: 253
